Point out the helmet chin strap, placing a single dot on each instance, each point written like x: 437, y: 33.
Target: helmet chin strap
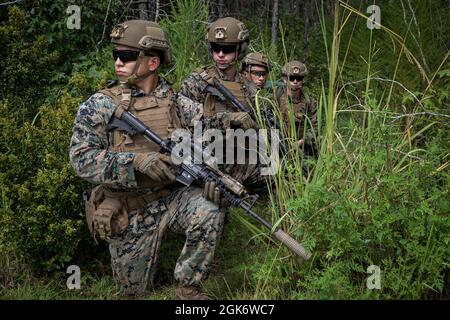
x: 224, y: 67
x: 134, y: 75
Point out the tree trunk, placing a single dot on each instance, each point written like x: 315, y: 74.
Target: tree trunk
x: 296, y: 8
x: 156, y: 10
x: 307, y: 12
x: 143, y: 10
x: 220, y: 8
x: 236, y: 7
x: 330, y: 8
x: 274, y: 22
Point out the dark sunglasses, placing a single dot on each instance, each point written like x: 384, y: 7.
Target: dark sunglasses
x: 259, y: 73
x: 125, y: 55
x: 225, y: 48
x: 298, y: 78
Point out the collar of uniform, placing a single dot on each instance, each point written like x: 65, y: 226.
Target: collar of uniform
x: 297, y: 99
x: 237, y: 78
x: 161, y: 90
x: 284, y: 90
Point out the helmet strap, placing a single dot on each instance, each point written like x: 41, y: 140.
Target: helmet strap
x: 126, y: 100
x: 134, y: 76
x: 294, y: 88
x: 224, y: 67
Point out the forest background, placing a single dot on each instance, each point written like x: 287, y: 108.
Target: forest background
x: 376, y: 204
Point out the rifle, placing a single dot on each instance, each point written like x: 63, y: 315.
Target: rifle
x: 219, y: 90
x: 225, y: 94
x: 188, y: 172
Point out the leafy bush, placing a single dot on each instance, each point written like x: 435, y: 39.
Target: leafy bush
x: 42, y: 212
x: 24, y: 67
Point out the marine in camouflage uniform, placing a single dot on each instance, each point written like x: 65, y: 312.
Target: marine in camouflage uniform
x: 255, y: 69
x: 227, y: 39
x: 296, y: 107
x: 136, y: 199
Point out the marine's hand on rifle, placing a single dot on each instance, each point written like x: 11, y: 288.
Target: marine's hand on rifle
x: 239, y: 119
x: 153, y: 164
x: 211, y: 192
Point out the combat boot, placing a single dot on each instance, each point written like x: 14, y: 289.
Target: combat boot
x: 190, y: 293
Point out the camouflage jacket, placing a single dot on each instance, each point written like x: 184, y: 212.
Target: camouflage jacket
x: 191, y: 99
x: 90, y: 140
x: 302, y: 110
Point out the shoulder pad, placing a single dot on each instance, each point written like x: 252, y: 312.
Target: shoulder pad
x: 200, y: 69
x: 112, y: 88
x: 114, y: 91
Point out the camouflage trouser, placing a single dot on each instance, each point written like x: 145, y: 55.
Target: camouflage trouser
x: 134, y: 252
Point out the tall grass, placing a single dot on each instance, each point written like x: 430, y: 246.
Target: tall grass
x: 366, y: 202
x: 186, y: 26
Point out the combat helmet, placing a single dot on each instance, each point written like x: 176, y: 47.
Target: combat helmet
x: 294, y: 68
x: 255, y: 59
x: 229, y: 30
x: 146, y: 36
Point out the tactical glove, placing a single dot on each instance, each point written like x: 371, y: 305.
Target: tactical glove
x: 239, y: 119
x: 153, y: 164
x: 211, y: 192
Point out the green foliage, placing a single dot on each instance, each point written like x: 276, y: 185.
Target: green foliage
x: 188, y: 47
x: 42, y: 212
x: 418, y: 27
x: 37, y: 289
x: 52, y: 16
x: 379, y: 194
x: 371, y: 206
x: 373, y: 217
x: 25, y: 63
